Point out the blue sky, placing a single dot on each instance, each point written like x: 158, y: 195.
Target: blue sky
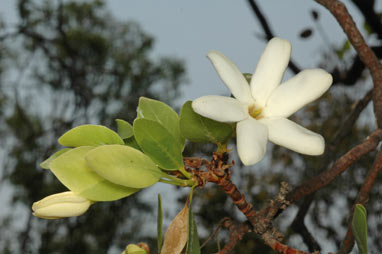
x: 189, y: 29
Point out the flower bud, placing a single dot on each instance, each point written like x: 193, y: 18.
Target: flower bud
x: 61, y: 205
x: 134, y: 249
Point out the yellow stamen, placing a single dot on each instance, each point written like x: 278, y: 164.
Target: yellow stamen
x: 254, y: 112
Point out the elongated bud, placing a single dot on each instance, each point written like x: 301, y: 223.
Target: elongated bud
x: 134, y: 249
x: 61, y: 205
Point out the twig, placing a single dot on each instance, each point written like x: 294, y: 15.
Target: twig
x: 338, y: 167
x: 298, y: 225
x: 339, y: 11
x: 268, y: 32
x: 348, y: 124
x: 236, y: 233
x: 270, y: 240
x: 216, y: 231
x: 362, y: 198
x: 264, y: 217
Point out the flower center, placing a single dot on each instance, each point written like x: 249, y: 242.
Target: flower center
x: 254, y: 111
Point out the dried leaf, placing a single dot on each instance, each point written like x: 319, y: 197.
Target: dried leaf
x: 176, y: 236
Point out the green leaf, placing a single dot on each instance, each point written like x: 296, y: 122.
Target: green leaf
x: 197, y: 128
x: 125, y: 129
x: 158, y: 144
x: 162, y: 113
x: 45, y: 164
x: 359, y: 227
x: 193, y: 245
x: 126, y: 132
x: 160, y: 223
x: 132, y: 142
x: 73, y: 171
x: 89, y: 135
x: 124, y: 165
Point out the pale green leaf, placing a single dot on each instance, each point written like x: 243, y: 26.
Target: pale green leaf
x: 73, y: 171
x: 124, y: 165
x: 158, y: 144
x: 134, y: 249
x: 45, y: 163
x: 125, y: 129
x: 359, y: 227
x: 89, y: 135
x: 197, y: 128
x: 193, y: 245
x: 162, y: 113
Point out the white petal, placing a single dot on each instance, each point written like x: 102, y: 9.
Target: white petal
x: 298, y: 91
x: 252, y: 138
x: 231, y: 76
x: 270, y: 69
x: 220, y: 108
x: 286, y: 133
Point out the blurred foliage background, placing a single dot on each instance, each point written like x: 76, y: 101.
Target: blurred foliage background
x: 72, y: 62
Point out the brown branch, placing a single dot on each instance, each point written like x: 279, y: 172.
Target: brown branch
x: 345, y: 130
x: 339, y: 11
x: 362, y: 198
x: 264, y: 217
x: 270, y: 240
x: 338, y: 167
x: 236, y: 233
x: 218, y: 172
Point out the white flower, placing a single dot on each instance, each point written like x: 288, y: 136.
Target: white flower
x: 262, y: 107
x: 61, y: 205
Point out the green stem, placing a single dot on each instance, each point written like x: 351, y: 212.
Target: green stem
x: 191, y: 194
x: 173, y: 178
x: 170, y: 182
x: 178, y: 182
x: 185, y: 173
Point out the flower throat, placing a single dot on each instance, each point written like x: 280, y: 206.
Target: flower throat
x: 255, y: 112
